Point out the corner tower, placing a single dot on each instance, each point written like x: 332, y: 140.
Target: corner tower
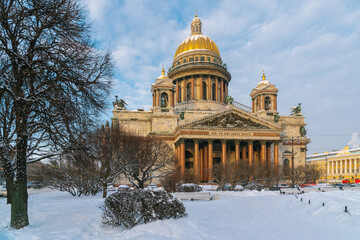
x: 264, y: 98
x: 201, y: 78
x: 163, y: 94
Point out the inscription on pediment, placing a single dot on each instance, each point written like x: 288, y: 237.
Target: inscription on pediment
x: 231, y: 120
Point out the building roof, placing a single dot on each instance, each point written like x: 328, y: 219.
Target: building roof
x: 343, y: 152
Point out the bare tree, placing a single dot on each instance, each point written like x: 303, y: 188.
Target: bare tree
x: 145, y: 158
x: 305, y: 173
x: 109, y: 140
x: 53, y: 81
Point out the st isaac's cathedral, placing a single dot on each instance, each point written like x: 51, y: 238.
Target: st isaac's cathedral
x: 193, y: 112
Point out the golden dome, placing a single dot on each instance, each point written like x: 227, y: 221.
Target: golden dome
x: 196, y: 41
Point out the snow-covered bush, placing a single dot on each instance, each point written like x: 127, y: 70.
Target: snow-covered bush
x: 189, y: 187
x: 129, y: 208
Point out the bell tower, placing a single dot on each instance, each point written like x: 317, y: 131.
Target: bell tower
x: 163, y: 93
x: 264, y: 98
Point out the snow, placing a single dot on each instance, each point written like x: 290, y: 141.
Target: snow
x: 237, y: 215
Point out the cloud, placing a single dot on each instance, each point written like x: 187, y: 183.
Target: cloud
x: 355, y: 141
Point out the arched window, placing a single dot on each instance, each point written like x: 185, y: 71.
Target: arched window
x: 224, y: 91
x: 204, y: 91
x: 213, y: 92
x: 286, y: 162
x: 267, y: 103
x: 164, y: 100
x: 188, y: 92
x: 197, y: 29
x: 286, y: 167
x: 179, y: 91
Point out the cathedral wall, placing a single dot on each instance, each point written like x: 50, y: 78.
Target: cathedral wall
x: 164, y: 123
x: 137, y: 122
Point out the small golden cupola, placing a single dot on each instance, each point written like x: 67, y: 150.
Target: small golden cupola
x: 163, y: 93
x: 196, y: 26
x: 264, y: 97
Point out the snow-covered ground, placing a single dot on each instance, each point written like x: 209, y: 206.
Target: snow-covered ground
x: 237, y: 215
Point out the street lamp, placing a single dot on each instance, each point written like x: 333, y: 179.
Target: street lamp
x: 292, y: 140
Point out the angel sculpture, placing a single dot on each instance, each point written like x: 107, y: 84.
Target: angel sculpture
x: 296, y: 111
x: 119, y: 103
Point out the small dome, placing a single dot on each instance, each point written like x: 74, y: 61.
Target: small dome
x: 163, y: 76
x: 263, y: 83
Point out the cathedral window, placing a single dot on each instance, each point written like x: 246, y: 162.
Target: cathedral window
x: 164, y: 100
x: 188, y: 92
x: 202, y: 59
x: 197, y: 29
x: 209, y: 59
x: 213, y: 92
x: 179, y: 91
x: 267, y: 103
x: 184, y: 61
x: 196, y: 59
x: 204, y: 91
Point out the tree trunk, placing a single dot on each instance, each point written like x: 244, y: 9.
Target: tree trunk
x: 19, y: 196
x: 19, y: 205
x: 104, y: 189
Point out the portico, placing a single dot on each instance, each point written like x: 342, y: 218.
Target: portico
x: 198, y: 156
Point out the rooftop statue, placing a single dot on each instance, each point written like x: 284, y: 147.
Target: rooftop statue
x: 119, y: 104
x: 296, y: 111
x: 229, y: 100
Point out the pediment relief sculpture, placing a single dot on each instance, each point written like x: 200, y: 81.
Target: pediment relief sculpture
x: 231, y: 120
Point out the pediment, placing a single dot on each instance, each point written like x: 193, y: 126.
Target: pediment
x: 232, y: 119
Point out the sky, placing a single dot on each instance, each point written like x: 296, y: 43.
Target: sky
x: 309, y: 49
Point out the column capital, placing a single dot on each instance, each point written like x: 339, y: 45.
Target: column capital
x: 250, y: 142
x: 210, y: 141
x: 182, y: 140
x: 223, y: 141
x: 196, y: 141
x: 262, y: 142
x: 237, y: 141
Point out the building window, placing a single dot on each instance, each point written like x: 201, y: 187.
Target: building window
x: 204, y: 91
x: 286, y: 162
x: 188, y: 92
x: 267, y: 103
x: 179, y: 91
x: 213, y: 92
x: 164, y: 100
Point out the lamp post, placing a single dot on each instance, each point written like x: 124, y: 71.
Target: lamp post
x: 292, y: 140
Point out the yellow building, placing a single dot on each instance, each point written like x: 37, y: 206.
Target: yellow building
x: 193, y: 113
x: 338, y: 166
